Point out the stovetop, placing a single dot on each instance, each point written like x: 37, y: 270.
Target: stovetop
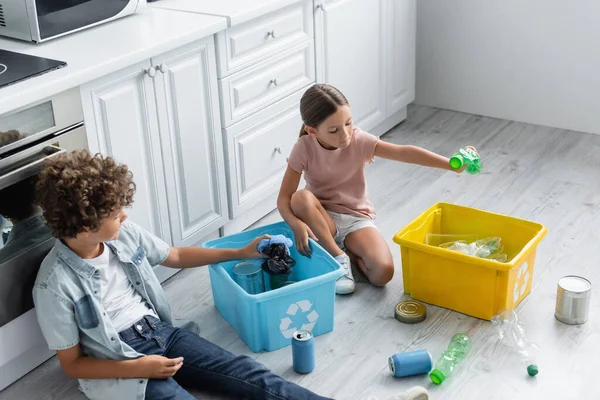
x: 15, y: 67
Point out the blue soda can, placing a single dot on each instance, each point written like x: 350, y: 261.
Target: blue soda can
x: 303, y: 352
x: 410, y: 363
x: 5, y: 233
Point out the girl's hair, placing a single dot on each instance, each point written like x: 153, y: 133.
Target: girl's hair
x: 318, y: 103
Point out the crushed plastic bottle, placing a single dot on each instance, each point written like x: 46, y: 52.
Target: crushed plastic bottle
x: 512, y: 333
x: 458, y: 349
x: 469, y: 157
x: 490, y: 248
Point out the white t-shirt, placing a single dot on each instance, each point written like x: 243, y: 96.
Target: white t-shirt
x: 123, y: 304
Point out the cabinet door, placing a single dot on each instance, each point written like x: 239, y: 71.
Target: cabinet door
x: 120, y: 118
x: 190, y: 132
x: 401, y: 40
x: 351, y: 54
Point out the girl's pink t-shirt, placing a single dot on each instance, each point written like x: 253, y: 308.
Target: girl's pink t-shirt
x: 337, y: 177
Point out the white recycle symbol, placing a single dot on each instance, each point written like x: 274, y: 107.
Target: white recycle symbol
x: 305, y: 306
x: 521, y: 282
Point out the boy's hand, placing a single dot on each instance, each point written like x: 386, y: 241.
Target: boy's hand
x: 250, y: 251
x: 158, y: 367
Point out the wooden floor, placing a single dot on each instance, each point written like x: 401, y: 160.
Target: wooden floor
x: 548, y: 175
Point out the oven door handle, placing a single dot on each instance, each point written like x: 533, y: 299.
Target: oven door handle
x: 28, y: 165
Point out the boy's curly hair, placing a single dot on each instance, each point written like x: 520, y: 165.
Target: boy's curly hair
x: 77, y: 191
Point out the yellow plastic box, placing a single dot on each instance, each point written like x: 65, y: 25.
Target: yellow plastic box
x: 463, y: 283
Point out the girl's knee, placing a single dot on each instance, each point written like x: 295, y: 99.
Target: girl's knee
x: 301, y: 202
x: 382, y: 274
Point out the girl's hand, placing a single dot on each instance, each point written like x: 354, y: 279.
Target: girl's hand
x: 461, y: 169
x: 250, y: 251
x: 301, y: 233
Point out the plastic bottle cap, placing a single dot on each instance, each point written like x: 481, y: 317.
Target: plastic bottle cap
x: 532, y: 370
x: 456, y: 162
x: 437, y: 376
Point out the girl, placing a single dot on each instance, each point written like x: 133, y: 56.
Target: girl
x: 334, y: 208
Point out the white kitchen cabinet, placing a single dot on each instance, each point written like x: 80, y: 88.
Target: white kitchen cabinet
x: 366, y: 48
x: 246, y: 44
x: 351, y: 55
x: 257, y: 149
x: 190, y: 128
x: 161, y: 118
x: 120, y: 117
x: 401, y: 45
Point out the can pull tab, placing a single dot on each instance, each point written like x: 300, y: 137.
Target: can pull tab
x: 302, y: 335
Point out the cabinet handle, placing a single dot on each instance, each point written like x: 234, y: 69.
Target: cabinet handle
x: 321, y: 7
x: 273, y: 82
x: 162, y: 68
x: 271, y: 34
x: 151, y: 72
x: 278, y: 149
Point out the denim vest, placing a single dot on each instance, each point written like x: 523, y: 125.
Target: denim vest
x: 69, y: 308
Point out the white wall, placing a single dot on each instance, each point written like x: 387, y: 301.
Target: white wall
x: 534, y: 61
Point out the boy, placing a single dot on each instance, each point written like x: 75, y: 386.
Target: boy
x: 102, y: 309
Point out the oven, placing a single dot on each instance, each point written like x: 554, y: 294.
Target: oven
x: 28, y: 137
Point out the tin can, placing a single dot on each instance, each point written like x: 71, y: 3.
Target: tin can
x: 249, y: 276
x: 410, y: 363
x: 573, y: 300
x: 303, y: 352
x: 410, y: 312
x: 5, y: 233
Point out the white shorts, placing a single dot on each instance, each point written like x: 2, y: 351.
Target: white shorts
x: 346, y: 224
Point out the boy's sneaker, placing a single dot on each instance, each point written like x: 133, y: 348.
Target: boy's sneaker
x: 415, y: 393
x: 345, y: 283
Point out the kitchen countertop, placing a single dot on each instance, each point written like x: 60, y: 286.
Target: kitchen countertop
x: 236, y: 11
x: 101, y: 50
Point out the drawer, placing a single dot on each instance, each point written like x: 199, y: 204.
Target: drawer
x: 249, y: 43
x: 248, y: 91
x: 256, y: 152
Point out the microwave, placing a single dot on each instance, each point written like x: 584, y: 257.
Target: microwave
x: 40, y: 20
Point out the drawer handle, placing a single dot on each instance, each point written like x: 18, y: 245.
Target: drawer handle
x: 271, y: 34
x: 278, y: 149
x: 273, y: 82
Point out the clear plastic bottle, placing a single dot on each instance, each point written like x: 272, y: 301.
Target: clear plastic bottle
x: 469, y: 157
x: 511, y: 331
x: 458, y: 349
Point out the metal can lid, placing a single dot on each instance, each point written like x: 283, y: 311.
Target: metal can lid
x: 391, y: 365
x: 574, y: 284
x: 246, y: 268
x: 410, y: 312
x: 302, y: 336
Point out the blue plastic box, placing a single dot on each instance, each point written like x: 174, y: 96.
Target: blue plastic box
x: 266, y: 321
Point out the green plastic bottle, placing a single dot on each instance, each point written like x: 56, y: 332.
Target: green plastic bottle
x: 469, y: 157
x: 459, y: 347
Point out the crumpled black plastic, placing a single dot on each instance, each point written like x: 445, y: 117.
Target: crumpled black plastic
x: 279, y: 261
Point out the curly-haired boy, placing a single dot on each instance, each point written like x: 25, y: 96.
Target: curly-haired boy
x: 102, y: 309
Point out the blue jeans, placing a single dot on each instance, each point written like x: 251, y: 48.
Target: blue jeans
x: 206, y: 366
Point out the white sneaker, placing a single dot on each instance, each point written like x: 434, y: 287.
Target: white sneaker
x: 415, y: 393
x: 345, y: 283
